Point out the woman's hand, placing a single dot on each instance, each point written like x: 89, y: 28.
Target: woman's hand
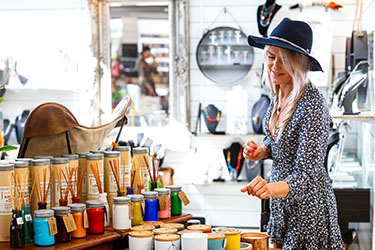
x: 253, y: 152
x: 258, y: 187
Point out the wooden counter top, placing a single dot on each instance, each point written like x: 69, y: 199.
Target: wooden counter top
x: 99, y: 241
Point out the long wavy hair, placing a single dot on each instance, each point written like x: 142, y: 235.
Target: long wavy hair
x: 297, y: 65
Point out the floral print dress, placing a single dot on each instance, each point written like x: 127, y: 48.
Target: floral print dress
x: 307, y: 217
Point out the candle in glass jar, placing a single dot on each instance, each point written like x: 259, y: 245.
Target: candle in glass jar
x: 95, y: 214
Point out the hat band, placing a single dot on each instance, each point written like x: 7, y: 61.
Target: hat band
x: 293, y: 44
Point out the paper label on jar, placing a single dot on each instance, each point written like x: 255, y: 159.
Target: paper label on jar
x: 131, y: 211
x: 5, y: 201
x: 163, y: 202
x: 69, y: 223
x: 52, y: 226
x: 112, y: 183
x: 184, y: 198
x: 85, y: 220
x: 84, y: 187
x: 19, y: 221
x: 28, y: 217
x: 93, y: 187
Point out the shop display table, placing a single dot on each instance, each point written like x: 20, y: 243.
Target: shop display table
x: 109, y: 240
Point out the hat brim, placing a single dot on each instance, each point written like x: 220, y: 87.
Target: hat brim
x: 260, y: 42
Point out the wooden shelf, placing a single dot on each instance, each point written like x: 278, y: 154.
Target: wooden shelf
x: 223, y: 141
x: 363, y: 116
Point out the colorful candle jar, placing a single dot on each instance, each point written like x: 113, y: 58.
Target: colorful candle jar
x: 196, y: 241
x: 62, y: 233
x: 177, y: 226
x: 151, y: 206
x: 42, y: 235
x: 164, y: 199
x: 176, y: 203
x: 140, y: 240
x: 165, y: 231
x: 95, y: 214
x: 200, y: 227
x: 78, y: 212
x: 233, y: 237
x: 121, y: 219
x: 216, y: 241
x: 167, y: 242
x: 136, y: 200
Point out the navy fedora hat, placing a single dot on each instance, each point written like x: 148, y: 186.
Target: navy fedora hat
x: 289, y: 34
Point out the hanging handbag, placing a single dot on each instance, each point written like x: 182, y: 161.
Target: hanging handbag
x: 258, y: 112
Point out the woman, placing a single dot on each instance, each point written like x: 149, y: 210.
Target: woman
x: 145, y: 72
x: 303, y: 205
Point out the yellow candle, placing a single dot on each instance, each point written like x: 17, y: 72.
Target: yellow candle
x: 233, y: 237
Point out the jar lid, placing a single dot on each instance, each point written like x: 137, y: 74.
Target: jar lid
x: 255, y: 235
x: 140, y: 150
x: 122, y: 148
x: 193, y: 222
x: 215, y: 236
x: 112, y: 154
x: 172, y: 225
x: 20, y: 164
x: 136, y: 197
x: 94, y: 156
x: 150, y: 195
x: 43, y: 213
x: 121, y: 200
x: 94, y: 204
x: 142, y: 228
x: 6, y: 167
x: 60, y: 160
x: 228, y: 231
x: 61, y: 210
x: 188, y: 232
x: 165, y: 231
x: 70, y: 156
x: 28, y: 160
x: 167, y: 237
x: 175, y: 189
x: 83, y: 154
x: 199, y: 227
x: 154, y: 223
x: 162, y: 191
x: 40, y: 162
x: 101, y: 151
x: 141, y: 234
x: 44, y: 157
x: 246, y: 246
x: 77, y: 207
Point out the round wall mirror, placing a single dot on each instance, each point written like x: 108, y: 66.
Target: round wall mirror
x: 224, y: 56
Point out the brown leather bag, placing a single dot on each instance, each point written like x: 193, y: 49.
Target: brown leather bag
x: 51, y: 129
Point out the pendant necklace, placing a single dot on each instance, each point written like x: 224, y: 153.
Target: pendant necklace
x: 216, y: 119
x: 266, y: 14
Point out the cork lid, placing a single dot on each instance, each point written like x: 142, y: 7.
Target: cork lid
x: 61, y: 210
x: 199, y: 227
x: 6, y: 167
x: 215, y: 236
x: 142, y: 228
x: 228, y: 231
x: 175, y: 189
x: 71, y: 156
x: 141, y: 234
x: 193, y: 222
x: 40, y: 162
x: 165, y: 231
x: 94, y: 156
x: 83, y: 154
x: 246, y: 246
x: 122, y: 148
x: 21, y: 164
x: 167, y: 237
x: 112, y: 153
x: 60, y: 160
x: 255, y: 236
x: 49, y: 157
x: 153, y: 223
x: 188, y: 232
x: 162, y: 191
x: 136, y: 197
x: 140, y: 150
x: 172, y: 225
x: 77, y: 207
x: 94, y: 204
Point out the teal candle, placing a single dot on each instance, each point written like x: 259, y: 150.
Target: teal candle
x: 176, y: 204
x: 216, y: 241
x: 28, y: 224
x: 42, y: 236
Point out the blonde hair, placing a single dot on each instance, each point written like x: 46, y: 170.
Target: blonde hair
x: 297, y: 65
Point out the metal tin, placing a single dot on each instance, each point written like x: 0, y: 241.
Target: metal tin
x: 40, y: 162
x: 43, y: 213
x: 122, y: 148
x: 150, y: 195
x: 140, y: 150
x: 94, y: 204
x: 70, y: 156
x: 136, y: 197
x: 121, y: 200
x: 60, y: 160
x: 61, y: 210
x: 112, y: 154
x: 77, y: 207
x: 43, y: 157
x: 175, y: 189
x: 94, y: 156
x: 97, y: 151
x: 83, y: 154
x: 161, y: 191
x: 6, y: 167
x: 20, y: 164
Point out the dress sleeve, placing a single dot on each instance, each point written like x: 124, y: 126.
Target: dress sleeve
x: 312, y: 139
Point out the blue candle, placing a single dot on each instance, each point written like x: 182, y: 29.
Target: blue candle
x: 151, y: 206
x: 42, y: 236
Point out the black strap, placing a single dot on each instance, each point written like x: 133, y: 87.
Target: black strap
x: 124, y: 121
x: 25, y: 147
x: 68, y: 142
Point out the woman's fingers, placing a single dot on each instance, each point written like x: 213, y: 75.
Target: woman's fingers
x: 250, y: 187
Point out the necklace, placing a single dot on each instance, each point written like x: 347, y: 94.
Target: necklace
x: 239, y: 157
x: 216, y: 119
x: 266, y: 14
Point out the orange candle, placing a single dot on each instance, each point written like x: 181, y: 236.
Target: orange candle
x: 78, y: 210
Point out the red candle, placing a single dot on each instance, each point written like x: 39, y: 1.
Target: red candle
x: 95, y: 214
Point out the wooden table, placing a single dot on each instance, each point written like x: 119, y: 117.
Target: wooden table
x: 109, y: 240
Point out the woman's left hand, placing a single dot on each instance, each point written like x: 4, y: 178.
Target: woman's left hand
x: 258, y: 187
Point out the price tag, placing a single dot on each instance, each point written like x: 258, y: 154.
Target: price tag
x: 183, y: 198
x: 52, y: 226
x: 19, y: 221
x: 163, y: 202
x: 131, y: 211
x: 143, y: 207
x: 69, y: 222
x: 28, y: 217
x: 85, y: 220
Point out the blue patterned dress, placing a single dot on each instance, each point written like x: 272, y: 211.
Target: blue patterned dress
x: 307, y: 217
